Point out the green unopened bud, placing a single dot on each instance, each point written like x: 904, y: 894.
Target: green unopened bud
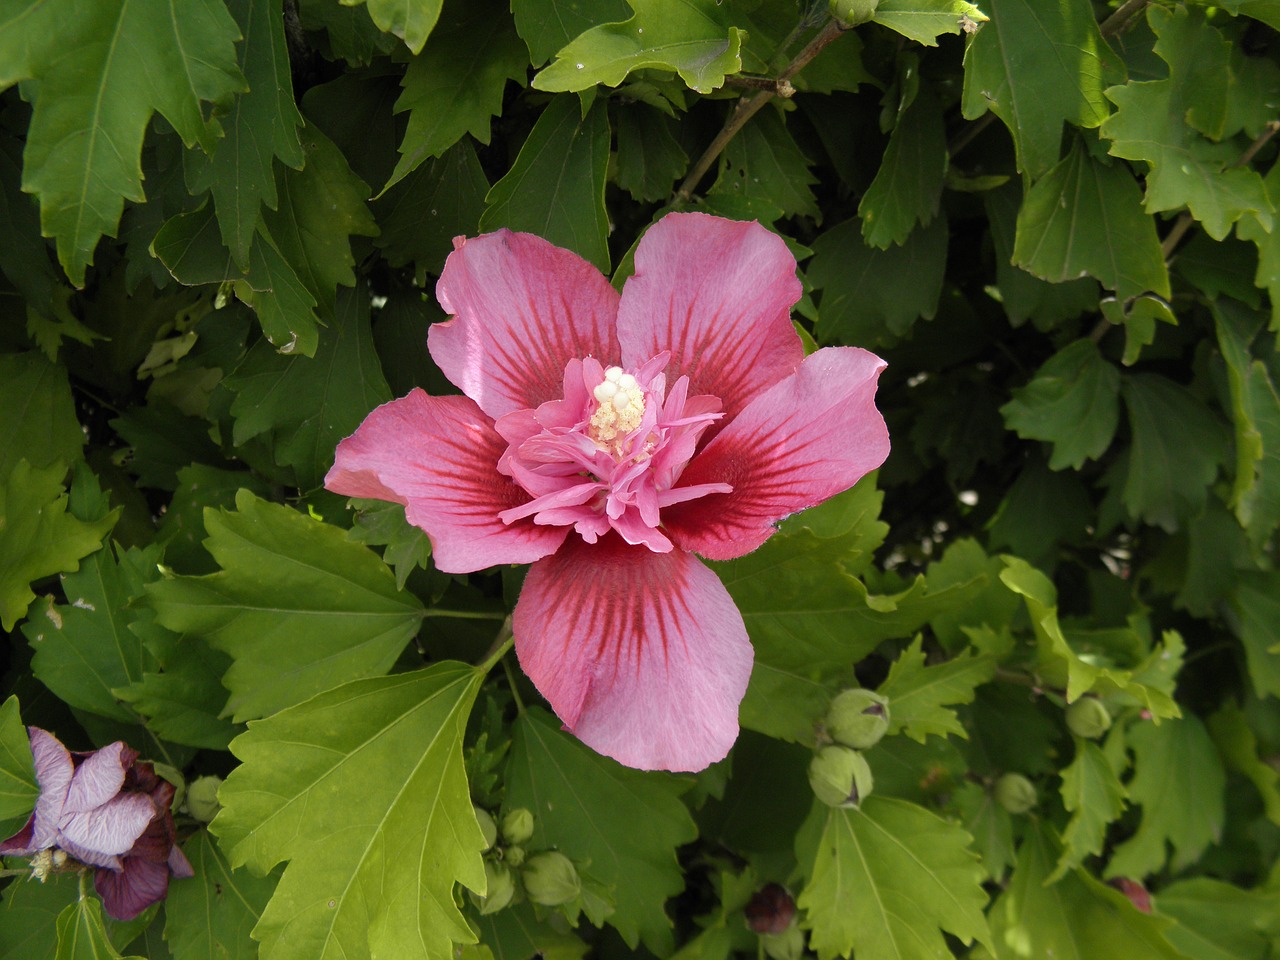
x: 1088, y: 718
x: 1016, y: 793
x: 787, y: 945
x: 517, y: 825
x: 840, y: 777
x: 550, y: 878
x: 513, y: 855
x: 858, y: 718
x: 853, y: 12
x: 202, y: 798
x: 487, y: 827
x: 501, y: 886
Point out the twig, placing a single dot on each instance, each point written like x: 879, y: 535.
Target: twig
x: 748, y: 108
x: 779, y: 88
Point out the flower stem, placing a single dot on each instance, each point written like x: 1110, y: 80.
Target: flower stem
x: 748, y: 108
x: 498, y: 649
x: 465, y: 614
x: 511, y: 682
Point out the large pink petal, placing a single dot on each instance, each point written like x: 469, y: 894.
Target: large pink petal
x: 522, y: 309
x: 804, y: 440
x: 642, y: 655
x: 439, y: 457
x: 54, y: 772
x: 717, y: 294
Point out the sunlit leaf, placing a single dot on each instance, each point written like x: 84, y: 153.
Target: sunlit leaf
x: 375, y: 872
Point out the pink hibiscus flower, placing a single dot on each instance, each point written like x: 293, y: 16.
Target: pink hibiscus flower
x: 608, y: 439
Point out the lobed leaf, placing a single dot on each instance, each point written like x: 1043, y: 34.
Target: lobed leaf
x: 297, y: 605
x: 1094, y: 796
x: 885, y: 880
x: 104, y: 68
x: 362, y: 790
x: 18, y: 786
x: 212, y: 913
x: 919, y: 695
x: 691, y: 37
x: 587, y: 806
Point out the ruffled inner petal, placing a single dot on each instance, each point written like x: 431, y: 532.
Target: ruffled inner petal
x: 642, y: 655
x: 522, y: 307
x: 99, y: 777
x: 439, y: 457
x: 804, y: 440
x: 718, y: 295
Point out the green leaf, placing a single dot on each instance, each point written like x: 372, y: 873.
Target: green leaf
x: 990, y: 825
x: 321, y: 207
x: 1059, y: 664
x: 587, y: 806
x: 1023, y: 295
x: 763, y: 162
x: 1042, y: 512
x: 1255, y: 410
x: 873, y: 297
x: 352, y: 34
x: 362, y: 790
x: 37, y: 413
x: 1177, y: 447
x: 547, y: 25
x: 29, y: 918
x: 455, y: 85
x: 410, y: 20
x: 37, y: 536
x: 1036, y: 66
x: 516, y: 934
x: 102, y: 71
x: 307, y: 404
x: 555, y: 189
x: 297, y: 605
x: 380, y: 523
x: 261, y: 125
x: 82, y: 932
x: 925, y: 20
x: 18, y: 787
x: 1157, y: 121
x: 182, y: 701
x: 422, y: 214
x: 994, y: 605
x: 190, y: 247
x: 649, y: 156
x: 886, y: 879
x: 1239, y: 747
x: 1174, y: 759
x: 1075, y: 917
x: 1218, y: 921
x: 919, y: 695
x: 1256, y: 601
x: 84, y: 649
x: 1084, y: 217
x: 212, y: 913
x: 908, y: 187
x: 1073, y: 402
x: 810, y: 620
x: 1139, y: 318
x: 691, y: 37
x: 1094, y: 796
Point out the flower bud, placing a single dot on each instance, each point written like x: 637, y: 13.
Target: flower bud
x: 1135, y: 891
x: 202, y: 798
x: 550, y: 878
x: 517, y: 826
x: 787, y: 945
x: 840, y: 777
x: 1088, y: 718
x: 853, y: 12
x: 1016, y: 793
x: 513, y: 855
x: 501, y: 886
x: 487, y: 827
x: 771, y: 909
x: 858, y: 718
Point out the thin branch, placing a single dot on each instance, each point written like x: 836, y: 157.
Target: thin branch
x: 748, y: 108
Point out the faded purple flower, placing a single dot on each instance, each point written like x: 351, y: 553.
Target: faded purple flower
x: 107, y: 810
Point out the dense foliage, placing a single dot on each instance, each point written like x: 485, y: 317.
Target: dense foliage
x: 1059, y: 223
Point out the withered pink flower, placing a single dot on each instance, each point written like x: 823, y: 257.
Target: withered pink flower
x: 608, y: 439
x: 104, y: 809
